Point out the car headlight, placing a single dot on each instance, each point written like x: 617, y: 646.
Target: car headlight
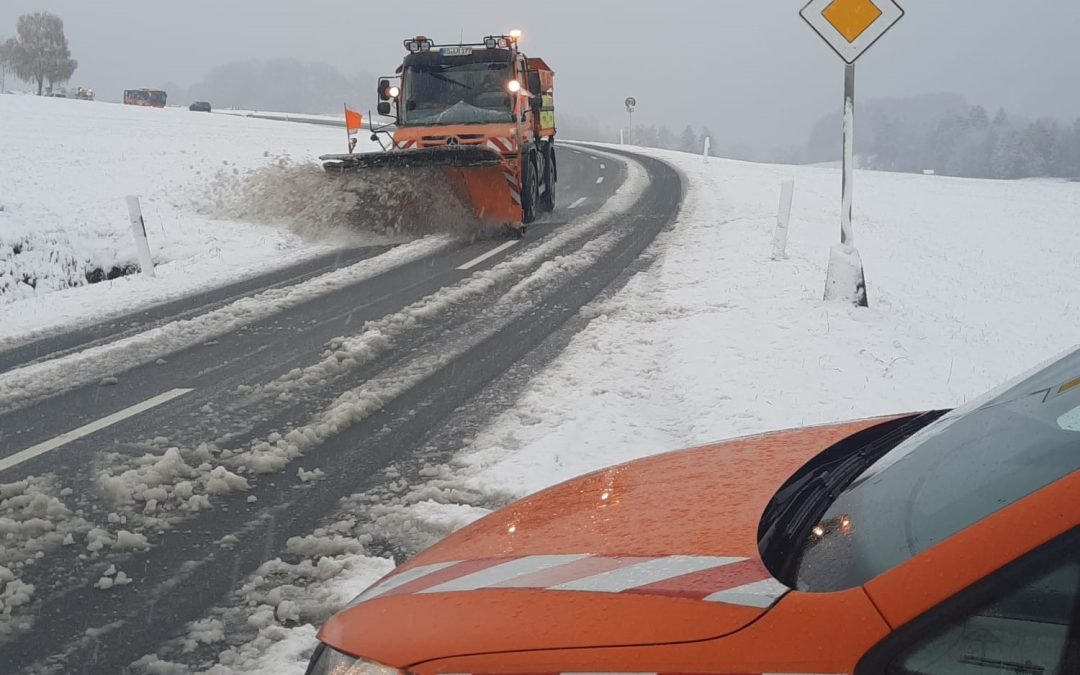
x: 328, y: 661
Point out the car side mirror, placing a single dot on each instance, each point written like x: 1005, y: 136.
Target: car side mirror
x: 384, y: 108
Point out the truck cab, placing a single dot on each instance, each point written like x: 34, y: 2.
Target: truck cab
x: 487, y: 95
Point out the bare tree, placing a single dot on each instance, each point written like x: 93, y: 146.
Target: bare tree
x: 40, y: 51
x: 5, y: 64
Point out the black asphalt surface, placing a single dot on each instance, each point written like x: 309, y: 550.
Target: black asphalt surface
x: 187, y: 571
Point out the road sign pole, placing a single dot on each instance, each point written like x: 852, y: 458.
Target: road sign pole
x: 845, y: 279
x: 630, y: 128
x: 850, y: 27
x: 847, y: 233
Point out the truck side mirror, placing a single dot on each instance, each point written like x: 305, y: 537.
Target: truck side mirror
x: 533, y: 78
x: 384, y: 108
x: 384, y: 93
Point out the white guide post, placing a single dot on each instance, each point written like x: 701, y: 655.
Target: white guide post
x: 708, y: 146
x: 138, y: 230
x: 783, y: 219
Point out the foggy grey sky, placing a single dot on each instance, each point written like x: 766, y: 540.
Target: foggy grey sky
x: 749, y: 69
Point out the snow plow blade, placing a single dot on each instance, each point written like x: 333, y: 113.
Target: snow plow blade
x: 478, y: 177
x: 447, y: 155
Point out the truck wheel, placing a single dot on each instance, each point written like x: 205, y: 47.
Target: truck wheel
x: 530, y: 193
x: 547, y: 200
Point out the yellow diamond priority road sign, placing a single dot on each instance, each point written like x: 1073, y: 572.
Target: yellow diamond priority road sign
x: 851, y: 26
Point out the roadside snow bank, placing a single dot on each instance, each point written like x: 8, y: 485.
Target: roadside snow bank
x: 715, y: 340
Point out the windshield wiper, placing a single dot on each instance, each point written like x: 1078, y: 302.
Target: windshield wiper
x: 440, y: 76
x: 803, y: 501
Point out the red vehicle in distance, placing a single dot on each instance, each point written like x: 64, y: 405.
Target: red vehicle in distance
x: 153, y: 98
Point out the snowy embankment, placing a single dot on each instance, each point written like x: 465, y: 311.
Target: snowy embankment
x: 971, y: 282
x: 65, y: 169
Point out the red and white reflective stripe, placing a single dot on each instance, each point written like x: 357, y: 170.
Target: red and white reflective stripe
x: 735, y: 581
x: 609, y: 672
x: 515, y: 191
x: 501, y: 144
x: 405, y: 577
x: 644, y: 574
x: 759, y: 594
x: 405, y: 145
x: 507, y: 572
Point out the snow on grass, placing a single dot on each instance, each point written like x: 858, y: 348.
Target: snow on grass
x: 970, y: 283
x: 67, y: 167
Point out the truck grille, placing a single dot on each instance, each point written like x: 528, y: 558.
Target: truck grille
x: 463, y: 139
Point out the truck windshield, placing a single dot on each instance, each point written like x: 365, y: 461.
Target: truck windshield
x: 953, y: 473
x: 465, y: 93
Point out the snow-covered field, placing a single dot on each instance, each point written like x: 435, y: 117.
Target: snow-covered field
x: 66, y: 167
x: 970, y: 283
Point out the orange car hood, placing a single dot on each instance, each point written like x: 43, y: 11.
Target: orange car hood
x: 660, y: 550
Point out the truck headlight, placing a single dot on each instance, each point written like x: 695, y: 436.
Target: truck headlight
x: 328, y: 661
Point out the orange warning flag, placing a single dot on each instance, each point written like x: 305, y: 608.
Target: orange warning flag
x: 353, y: 121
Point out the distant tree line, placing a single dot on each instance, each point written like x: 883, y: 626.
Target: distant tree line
x: 39, y: 53
x: 943, y: 133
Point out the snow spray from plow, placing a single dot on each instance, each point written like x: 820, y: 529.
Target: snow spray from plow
x: 317, y: 206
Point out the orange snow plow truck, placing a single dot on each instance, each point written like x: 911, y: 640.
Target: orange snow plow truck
x: 484, y: 115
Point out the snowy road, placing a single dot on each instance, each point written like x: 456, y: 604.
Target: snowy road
x: 138, y: 496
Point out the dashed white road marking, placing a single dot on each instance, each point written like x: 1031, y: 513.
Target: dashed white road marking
x: 578, y: 202
x: 603, y: 166
x: 87, y: 429
x: 490, y: 254
x: 599, y: 180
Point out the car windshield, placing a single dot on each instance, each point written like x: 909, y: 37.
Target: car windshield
x: 953, y: 473
x: 465, y: 93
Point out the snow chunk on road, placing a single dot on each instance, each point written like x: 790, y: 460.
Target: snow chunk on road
x: 97, y: 539
x: 35, y: 520
x: 14, y: 593
x: 204, y: 632
x: 223, y: 481
x: 310, y: 476
x: 130, y: 541
x: 107, y: 582
x: 318, y: 546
